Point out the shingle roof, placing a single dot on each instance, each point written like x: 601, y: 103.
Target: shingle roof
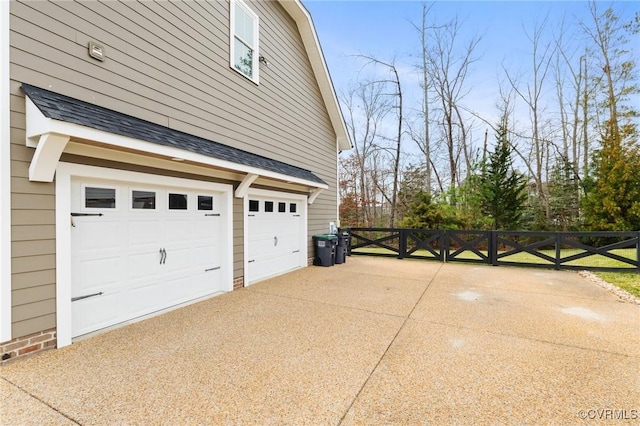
x: 64, y: 108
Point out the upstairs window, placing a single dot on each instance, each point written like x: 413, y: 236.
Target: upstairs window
x: 244, y: 40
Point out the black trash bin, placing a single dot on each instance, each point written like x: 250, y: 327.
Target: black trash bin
x: 346, y: 233
x: 324, y: 247
x: 341, y: 248
x: 347, y: 236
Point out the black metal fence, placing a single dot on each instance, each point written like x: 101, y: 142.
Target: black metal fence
x: 599, y: 251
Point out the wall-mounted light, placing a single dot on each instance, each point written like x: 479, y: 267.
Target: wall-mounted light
x: 263, y: 60
x: 96, y: 51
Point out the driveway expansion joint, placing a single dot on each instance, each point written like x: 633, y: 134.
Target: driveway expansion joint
x: 384, y: 353
x: 21, y: 389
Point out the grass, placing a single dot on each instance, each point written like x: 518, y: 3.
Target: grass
x: 629, y: 281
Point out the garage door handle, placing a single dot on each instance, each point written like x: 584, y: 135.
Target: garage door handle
x: 212, y: 269
x: 275, y: 241
x: 86, y: 214
x: 212, y: 214
x: 163, y: 256
x: 86, y: 296
x: 296, y: 251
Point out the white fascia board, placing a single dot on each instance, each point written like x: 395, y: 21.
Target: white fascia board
x: 45, y: 125
x: 5, y: 175
x: 37, y: 123
x: 312, y: 45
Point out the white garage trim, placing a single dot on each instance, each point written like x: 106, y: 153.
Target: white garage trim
x: 5, y: 176
x: 64, y: 173
x: 302, y: 199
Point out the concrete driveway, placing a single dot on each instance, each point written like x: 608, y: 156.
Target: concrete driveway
x: 373, y: 341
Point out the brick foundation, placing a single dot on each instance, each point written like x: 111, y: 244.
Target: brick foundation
x: 28, y: 345
x: 310, y: 261
x: 238, y: 283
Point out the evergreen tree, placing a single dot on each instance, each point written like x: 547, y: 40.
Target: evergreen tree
x: 613, y: 199
x: 501, y: 188
x: 424, y: 213
x: 564, y: 196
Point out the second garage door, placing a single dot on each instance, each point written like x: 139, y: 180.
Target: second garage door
x: 276, y: 227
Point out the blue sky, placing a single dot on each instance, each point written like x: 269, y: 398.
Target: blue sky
x: 383, y: 29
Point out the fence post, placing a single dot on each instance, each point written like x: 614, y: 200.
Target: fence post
x: 493, y: 247
x: 638, y: 252
x: 402, y: 243
x: 558, y: 241
x: 446, y: 245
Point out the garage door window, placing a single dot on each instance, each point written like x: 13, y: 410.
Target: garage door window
x: 205, y: 202
x: 293, y: 207
x: 99, y: 198
x: 282, y: 207
x: 143, y: 200
x: 268, y: 206
x: 177, y: 201
x: 254, y: 205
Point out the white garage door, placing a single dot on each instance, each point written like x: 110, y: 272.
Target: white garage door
x: 276, y: 241
x: 137, y: 249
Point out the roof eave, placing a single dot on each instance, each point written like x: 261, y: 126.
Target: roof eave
x: 50, y: 136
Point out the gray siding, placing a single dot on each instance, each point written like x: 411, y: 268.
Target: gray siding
x: 166, y: 62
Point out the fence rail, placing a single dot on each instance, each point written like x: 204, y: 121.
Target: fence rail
x: 598, y: 251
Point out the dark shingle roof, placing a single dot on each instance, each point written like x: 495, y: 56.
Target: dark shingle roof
x: 63, y: 108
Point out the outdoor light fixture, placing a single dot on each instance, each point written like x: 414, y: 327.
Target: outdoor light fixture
x: 263, y: 60
x: 96, y: 51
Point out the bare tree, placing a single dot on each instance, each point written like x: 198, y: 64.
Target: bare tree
x: 424, y: 140
x: 609, y: 37
x: 366, y: 108
x: 532, y: 95
x: 448, y: 67
x: 394, y: 98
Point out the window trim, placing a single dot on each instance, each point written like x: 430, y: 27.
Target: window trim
x: 255, y: 69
